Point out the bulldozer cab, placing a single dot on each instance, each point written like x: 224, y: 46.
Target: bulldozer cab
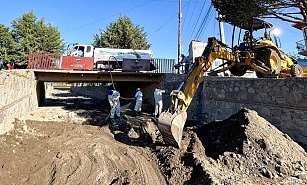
x: 269, y: 34
x: 248, y: 37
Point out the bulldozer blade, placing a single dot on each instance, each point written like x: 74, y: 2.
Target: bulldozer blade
x: 171, y: 126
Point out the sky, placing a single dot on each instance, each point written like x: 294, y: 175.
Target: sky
x: 78, y: 21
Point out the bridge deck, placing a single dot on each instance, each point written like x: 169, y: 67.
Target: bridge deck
x: 95, y: 76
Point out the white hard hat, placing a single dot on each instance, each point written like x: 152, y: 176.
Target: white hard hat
x: 138, y: 89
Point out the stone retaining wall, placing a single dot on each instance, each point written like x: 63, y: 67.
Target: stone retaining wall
x: 17, y: 96
x: 283, y: 102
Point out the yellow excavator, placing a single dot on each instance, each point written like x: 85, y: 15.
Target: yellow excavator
x: 262, y: 56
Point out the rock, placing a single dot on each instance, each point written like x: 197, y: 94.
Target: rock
x: 282, y: 169
x: 133, y: 134
x: 59, y: 155
x: 267, y: 173
x: 303, y: 176
x: 301, y: 168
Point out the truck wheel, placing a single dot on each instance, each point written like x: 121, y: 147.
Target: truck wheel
x: 297, y: 70
x: 239, y: 70
x: 273, y: 61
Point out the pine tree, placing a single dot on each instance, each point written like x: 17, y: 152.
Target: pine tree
x: 30, y: 34
x: 122, y: 34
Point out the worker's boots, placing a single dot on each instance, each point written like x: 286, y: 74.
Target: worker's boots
x: 113, y: 126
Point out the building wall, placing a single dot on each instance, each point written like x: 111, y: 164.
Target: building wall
x: 17, y: 96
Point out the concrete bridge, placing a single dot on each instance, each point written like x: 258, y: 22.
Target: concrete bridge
x: 95, y: 76
x: 126, y: 80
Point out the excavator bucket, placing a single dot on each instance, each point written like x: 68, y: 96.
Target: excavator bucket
x: 171, y: 126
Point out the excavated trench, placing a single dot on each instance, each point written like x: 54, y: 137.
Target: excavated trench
x: 74, y: 144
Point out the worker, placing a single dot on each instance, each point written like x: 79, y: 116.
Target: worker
x: 10, y: 67
x: 1, y: 62
x: 113, y: 98
x: 247, y: 39
x: 138, y: 101
x: 186, y: 63
x: 158, y: 100
x: 267, y: 36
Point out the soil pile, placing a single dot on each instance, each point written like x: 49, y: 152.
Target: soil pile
x: 63, y: 151
x: 243, y: 149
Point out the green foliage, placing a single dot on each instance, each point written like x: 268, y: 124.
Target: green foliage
x: 241, y: 12
x: 122, y: 34
x: 29, y: 34
x: 8, y: 46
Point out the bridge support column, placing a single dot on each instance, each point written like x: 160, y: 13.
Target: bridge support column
x: 41, y: 93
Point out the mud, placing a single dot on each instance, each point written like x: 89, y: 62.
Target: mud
x: 69, y: 145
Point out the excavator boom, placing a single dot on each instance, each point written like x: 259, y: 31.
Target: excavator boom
x: 172, y: 121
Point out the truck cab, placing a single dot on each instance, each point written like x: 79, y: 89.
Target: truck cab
x: 80, y: 50
x: 79, y: 57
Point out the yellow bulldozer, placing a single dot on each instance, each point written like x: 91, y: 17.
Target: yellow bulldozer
x: 260, y: 55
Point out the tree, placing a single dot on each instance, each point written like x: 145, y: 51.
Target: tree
x: 122, y: 34
x: 289, y: 10
x: 29, y: 34
x: 241, y: 12
x: 8, y: 46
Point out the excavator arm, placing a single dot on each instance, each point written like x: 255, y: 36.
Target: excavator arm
x: 172, y: 121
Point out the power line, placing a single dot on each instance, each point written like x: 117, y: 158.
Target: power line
x: 195, y: 25
x: 190, y: 18
x: 99, y: 20
x: 200, y: 30
x: 184, y: 18
x: 165, y: 23
x: 197, y: 19
x: 210, y: 18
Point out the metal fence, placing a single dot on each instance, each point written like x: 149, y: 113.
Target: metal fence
x: 164, y: 65
x: 41, y: 60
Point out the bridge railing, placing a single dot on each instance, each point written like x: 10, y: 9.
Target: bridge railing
x: 164, y: 65
x: 42, y: 60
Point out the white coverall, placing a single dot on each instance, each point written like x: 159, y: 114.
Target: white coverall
x: 114, y: 103
x: 158, y: 101
x: 138, y: 103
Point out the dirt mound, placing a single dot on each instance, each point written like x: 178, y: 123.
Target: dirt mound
x: 64, y: 153
x: 56, y: 146
x: 242, y: 149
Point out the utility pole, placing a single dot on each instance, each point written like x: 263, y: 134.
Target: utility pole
x: 222, y: 34
x: 179, y: 33
x: 221, y: 27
